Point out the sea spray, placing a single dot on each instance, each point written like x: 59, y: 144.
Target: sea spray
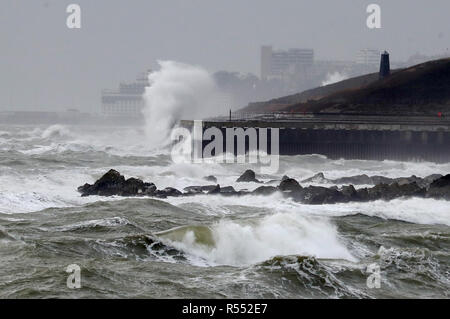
x: 239, y: 243
x: 334, y: 78
x: 177, y: 91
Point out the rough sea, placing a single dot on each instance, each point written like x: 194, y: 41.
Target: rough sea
x: 207, y: 246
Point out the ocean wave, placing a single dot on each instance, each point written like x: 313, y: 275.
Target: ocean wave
x: 315, y: 277
x: 238, y: 243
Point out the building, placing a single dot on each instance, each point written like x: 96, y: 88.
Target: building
x: 278, y: 63
x: 368, y: 57
x: 385, y: 66
x: 128, y: 100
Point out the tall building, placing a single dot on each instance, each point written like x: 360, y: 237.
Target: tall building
x: 128, y: 100
x: 278, y: 63
x: 385, y: 66
x: 266, y: 61
x: 368, y: 57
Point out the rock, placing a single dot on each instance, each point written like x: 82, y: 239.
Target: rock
x: 150, y: 189
x: 440, y: 188
x: 289, y: 184
x: 316, y: 195
x: 319, y: 178
x: 248, y: 176
x: 376, y: 180
x: 265, y: 190
x: 170, y: 191
x: 284, y: 177
x: 394, y: 190
x: 406, y: 180
x: 210, y: 178
x: 132, y: 187
x: 85, y: 189
x: 215, y: 190
x: 354, y: 180
x: 109, y: 184
x: 411, y: 189
x: 227, y: 189
x: 209, y: 188
x: 350, y: 193
x: 379, y: 191
x: 113, y: 183
x: 193, y: 190
x: 426, y: 181
x: 363, y: 194
x: 433, y: 186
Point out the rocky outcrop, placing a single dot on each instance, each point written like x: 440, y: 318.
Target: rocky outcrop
x: 440, y: 188
x: 315, y: 195
x: 113, y: 183
x: 319, y: 178
x: 434, y: 186
x: 265, y: 190
x: 371, y: 180
x: 289, y: 184
x: 248, y: 176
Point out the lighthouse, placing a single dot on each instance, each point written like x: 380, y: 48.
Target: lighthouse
x: 385, y: 67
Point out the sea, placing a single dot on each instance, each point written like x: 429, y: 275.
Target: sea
x: 204, y: 246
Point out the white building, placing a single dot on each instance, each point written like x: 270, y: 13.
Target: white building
x: 368, y: 57
x: 278, y: 63
x: 128, y: 100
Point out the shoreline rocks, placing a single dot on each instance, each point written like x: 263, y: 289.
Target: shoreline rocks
x: 248, y: 176
x: 364, y: 179
x: 434, y: 186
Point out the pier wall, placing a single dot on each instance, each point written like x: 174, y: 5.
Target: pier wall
x: 393, y: 139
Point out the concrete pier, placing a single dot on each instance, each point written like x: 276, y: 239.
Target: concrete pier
x: 349, y: 136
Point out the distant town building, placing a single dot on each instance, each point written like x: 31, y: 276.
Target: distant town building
x: 278, y: 63
x: 127, y: 101
x: 368, y: 57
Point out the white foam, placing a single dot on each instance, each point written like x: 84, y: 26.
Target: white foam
x: 241, y: 243
x: 415, y: 210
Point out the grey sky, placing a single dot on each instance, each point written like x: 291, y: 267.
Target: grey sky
x: 44, y: 64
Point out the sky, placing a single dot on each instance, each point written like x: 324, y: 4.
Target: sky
x: 44, y: 65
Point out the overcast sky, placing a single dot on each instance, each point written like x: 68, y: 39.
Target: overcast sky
x: 43, y: 64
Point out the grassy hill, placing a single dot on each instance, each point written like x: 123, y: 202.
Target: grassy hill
x: 421, y: 89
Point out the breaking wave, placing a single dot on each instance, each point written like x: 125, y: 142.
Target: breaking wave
x: 243, y: 243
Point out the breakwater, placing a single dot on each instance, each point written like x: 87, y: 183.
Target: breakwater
x: 349, y: 136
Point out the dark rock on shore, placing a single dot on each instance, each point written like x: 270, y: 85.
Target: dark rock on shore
x: 354, y: 180
x: 248, y: 176
x: 317, y: 195
x: 265, y: 190
x: 332, y: 195
x: 289, y: 184
x: 112, y: 183
x: 319, y: 178
x: 229, y: 190
x: 215, y: 190
x: 170, y: 191
x: 371, y: 180
x: 433, y: 186
x: 193, y: 190
x: 440, y: 188
x: 392, y: 191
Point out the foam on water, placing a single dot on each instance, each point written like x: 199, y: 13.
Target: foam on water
x: 415, y: 210
x: 239, y: 243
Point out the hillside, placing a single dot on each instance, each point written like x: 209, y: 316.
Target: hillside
x: 312, y: 94
x: 421, y: 89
